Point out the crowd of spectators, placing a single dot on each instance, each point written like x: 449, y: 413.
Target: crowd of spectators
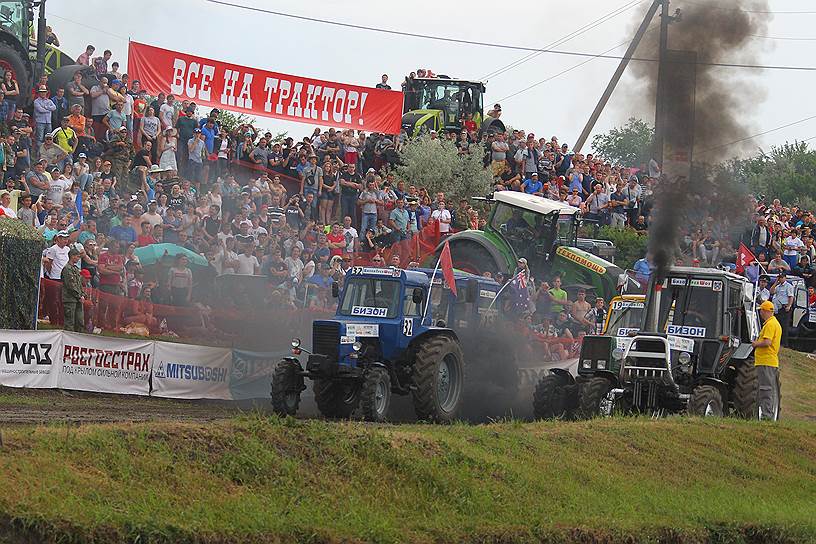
x: 108, y: 169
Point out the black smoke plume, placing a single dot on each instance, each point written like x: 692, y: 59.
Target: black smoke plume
x: 717, y: 31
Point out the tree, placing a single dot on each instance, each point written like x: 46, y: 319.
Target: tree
x: 229, y: 120
x: 629, y: 145
x: 786, y: 172
x: 437, y: 166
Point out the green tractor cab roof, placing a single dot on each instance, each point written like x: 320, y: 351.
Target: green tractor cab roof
x: 534, y: 203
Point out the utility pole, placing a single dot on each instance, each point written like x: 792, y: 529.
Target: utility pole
x: 657, y: 153
x: 579, y: 143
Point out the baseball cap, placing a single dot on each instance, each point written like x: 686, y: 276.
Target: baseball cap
x: 196, y: 130
x: 85, y: 274
x: 767, y: 305
x: 63, y: 234
x: 42, y: 89
x: 83, y: 156
x: 522, y: 261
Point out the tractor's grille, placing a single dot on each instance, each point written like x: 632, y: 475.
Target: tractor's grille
x: 647, y: 360
x: 326, y: 339
x: 596, y: 347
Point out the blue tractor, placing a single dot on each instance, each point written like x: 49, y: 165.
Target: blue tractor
x: 385, y: 339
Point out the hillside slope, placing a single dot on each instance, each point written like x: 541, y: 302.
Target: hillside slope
x: 262, y: 479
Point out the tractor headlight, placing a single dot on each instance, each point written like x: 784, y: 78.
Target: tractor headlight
x: 295, y: 343
x: 684, y: 358
x: 601, y: 364
x: 357, y: 346
x: 617, y: 354
x: 586, y: 363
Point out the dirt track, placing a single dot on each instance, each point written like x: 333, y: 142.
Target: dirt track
x: 21, y: 407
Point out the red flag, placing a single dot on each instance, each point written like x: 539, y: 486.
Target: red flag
x: 446, y: 264
x: 744, y: 258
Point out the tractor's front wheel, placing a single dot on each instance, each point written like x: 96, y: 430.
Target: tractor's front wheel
x: 439, y: 379
x: 287, y: 384
x: 375, y: 395
x: 597, y: 400
x: 554, y: 398
x: 336, y: 399
x: 706, y: 401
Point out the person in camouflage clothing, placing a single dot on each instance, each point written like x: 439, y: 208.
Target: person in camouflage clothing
x: 72, y: 294
x: 121, y: 154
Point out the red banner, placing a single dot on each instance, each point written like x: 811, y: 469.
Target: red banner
x: 259, y: 92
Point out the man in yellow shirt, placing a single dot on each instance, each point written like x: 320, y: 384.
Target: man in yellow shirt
x: 65, y: 137
x: 766, y: 360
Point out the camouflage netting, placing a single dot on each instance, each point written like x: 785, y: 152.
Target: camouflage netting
x: 21, y: 250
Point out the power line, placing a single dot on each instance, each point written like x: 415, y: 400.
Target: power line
x: 571, y: 68
x: 502, y: 46
x: 757, y: 135
x: 564, y: 39
x: 783, y: 38
x: 87, y: 26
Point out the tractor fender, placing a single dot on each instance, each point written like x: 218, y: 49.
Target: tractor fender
x: 608, y: 374
x: 716, y: 382
x: 564, y: 375
x: 478, y: 238
x: 294, y: 360
x: 433, y: 331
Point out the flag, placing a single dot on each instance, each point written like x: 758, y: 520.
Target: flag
x: 446, y: 264
x: 744, y: 258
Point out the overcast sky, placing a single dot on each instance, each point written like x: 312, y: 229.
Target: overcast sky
x: 560, y: 106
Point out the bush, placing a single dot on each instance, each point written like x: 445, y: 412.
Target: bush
x: 21, y: 247
x: 629, y: 245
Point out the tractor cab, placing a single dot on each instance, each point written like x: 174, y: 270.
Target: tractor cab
x: 696, y: 330
x: 532, y: 226
x: 441, y: 104
x: 15, y: 19
x: 379, y: 312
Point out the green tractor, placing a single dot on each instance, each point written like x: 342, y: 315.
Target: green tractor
x: 543, y: 231
x: 441, y: 104
x: 26, y: 58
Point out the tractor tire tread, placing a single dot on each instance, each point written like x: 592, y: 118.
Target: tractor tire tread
x: 428, y: 354
x: 745, y: 393
x: 700, y: 399
x: 284, y: 372
x: 592, y: 392
x: 549, y: 400
x: 368, y: 395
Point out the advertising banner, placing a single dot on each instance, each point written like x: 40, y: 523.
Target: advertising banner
x: 182, y: 371
x: 104, y: 364
x: 259, y: 92
x: 252, y: 373
x: 30, y: 358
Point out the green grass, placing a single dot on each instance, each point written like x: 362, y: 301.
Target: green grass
x: 798, y: 375
x: 263, y: 479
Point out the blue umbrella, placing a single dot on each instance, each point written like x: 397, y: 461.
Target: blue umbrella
x: 154, y: 252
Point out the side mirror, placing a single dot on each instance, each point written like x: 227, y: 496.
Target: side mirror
x: 335, y: 288
x: 418, y: 296
x: 472, y: 290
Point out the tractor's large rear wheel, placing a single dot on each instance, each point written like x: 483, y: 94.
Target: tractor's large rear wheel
x: 472, y: 257
x: 745, y: 393
x: 336, y: 399
x: 10, y: 59
x: 439, y: 379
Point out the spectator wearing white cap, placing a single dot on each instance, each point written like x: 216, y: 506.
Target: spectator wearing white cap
x: 43, y: 107
x: 5, y: 205
x: 56, y: 256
